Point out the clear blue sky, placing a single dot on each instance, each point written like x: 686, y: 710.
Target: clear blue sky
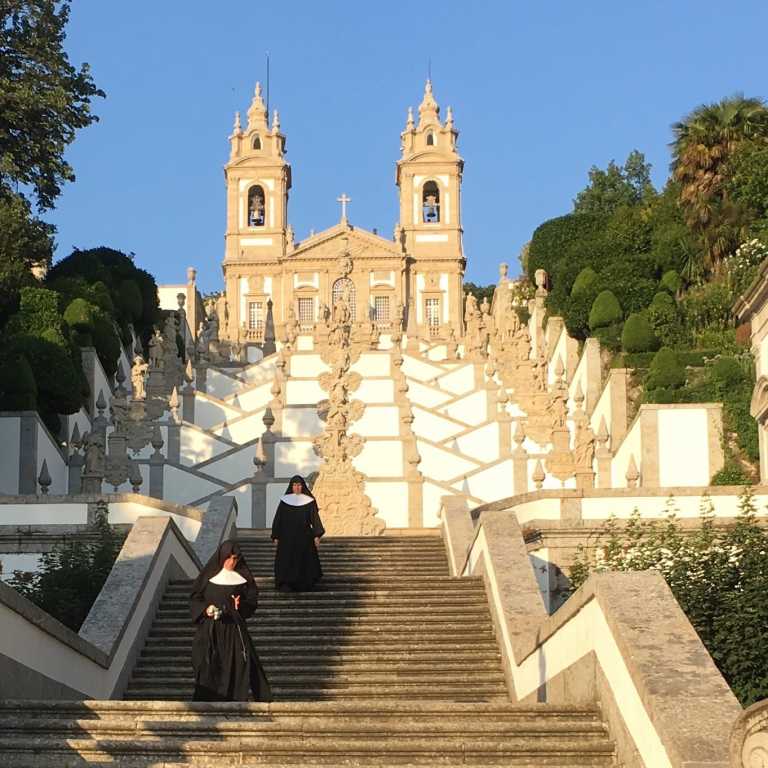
x: 540, y: 91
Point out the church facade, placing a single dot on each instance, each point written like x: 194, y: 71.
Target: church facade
x: 413, y: 279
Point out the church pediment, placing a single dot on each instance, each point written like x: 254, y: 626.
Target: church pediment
x: 341, y: 240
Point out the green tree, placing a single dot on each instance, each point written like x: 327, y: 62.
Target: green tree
x: 25, y: 242
x: 718, y: 575
x: 616, y: 186
x: 72, y: 575
x: 43, y: 98
x: 704, y: 143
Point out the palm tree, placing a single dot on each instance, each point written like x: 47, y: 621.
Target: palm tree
x: 704, y: 142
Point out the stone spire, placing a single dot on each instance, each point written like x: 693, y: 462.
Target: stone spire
x: 236, y: 128
x: 257, y: 112
x: 275, y: 121
x: 429, y: 111
x: 409, y: 120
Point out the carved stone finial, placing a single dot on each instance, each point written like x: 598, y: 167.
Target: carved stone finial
x: 559, y: 368
x: 74, y: 441
x: 520, y: 435
x: 44, y: 478
x: 275, y: 121
x: 134, y: 477
x: 101, y: 403
x: 409, y: 120
x: 538, y: 475
x: 632, y: 474
x: 260, y: 456
x: 236, y: 129
x: 602, y: 432
x: 268, y: 419
x: 157, y: 441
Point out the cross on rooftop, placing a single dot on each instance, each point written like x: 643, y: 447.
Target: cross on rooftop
x: 343, y: 200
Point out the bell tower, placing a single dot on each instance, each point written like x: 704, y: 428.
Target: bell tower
x: 429, y: 180
x: 258, y: 180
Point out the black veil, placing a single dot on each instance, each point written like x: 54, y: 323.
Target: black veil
x: 216, y: 563
x: 304, y: 487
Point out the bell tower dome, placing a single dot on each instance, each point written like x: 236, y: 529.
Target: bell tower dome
x: 258, y: 179
x: 428, y: 176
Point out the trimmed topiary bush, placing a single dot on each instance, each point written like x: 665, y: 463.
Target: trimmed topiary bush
x: 605, y: 311
x: 638, y: 336
x: 664, y: 317
x: 670, y: 281
x: 107, y: 342
x: 586, y: 282
x: 79, y: 316
x: 18, y: 391
x: 665, y: 371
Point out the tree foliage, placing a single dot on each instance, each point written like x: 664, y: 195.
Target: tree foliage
x: 72, y: 574
x: 616, y: 186
x: 719, y: 576
x: 44, y: 99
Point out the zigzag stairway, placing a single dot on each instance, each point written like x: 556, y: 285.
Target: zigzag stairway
x: 390, y: 663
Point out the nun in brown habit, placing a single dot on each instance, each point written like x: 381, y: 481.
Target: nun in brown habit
x: 296, y: 530
x: 223, y: 596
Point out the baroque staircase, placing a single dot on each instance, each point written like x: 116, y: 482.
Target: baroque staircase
x: 390, y: 662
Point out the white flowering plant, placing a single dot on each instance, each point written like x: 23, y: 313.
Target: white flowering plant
x: 742, y: 265
x: 718, y: 574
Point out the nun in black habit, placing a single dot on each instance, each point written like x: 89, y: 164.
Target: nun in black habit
x: 296, y: 530
x: 223, y: 596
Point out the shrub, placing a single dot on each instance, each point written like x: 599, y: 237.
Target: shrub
x: 107, y: 342
x: 665, y: 371
x: 670, y: 281
x: 71, y: 575
x: 576, y: 314
x: 717, y: 575
x: 129, y: 300
x: 609, y: 336
x: 606, y: 311
x: 638, y: 335
x: 708, y: 306
x: 664, y: 318
x: 18, y: 391
x: 726, y: 373
x: 79, y: 316
x: 586, y: 282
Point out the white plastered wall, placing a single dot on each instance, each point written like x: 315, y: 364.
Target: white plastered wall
x: 197, y: 446
x: 243, y: 429
x: 131, y: 511
x: 471, y: 409
x: 292, y: 458
x: 380, y: 458
x: 307, y: 366
x: 683, y: 446
x: 302, y: 392
x: 433, y: 426
x: 390, y: 501
x: 301, y: 422
x: 10, y: 432
x: 630, y: 446
x: 184, y: 487
x: 251, y: 399
x: 442, y: 464
x: 43, y: 514
x: 235, y: 466
x: 415, y: 368
x: 481, y: 444
x: 57, y: 468
x: 372, y: 364
x: 491, y: 483
x: 429, y: 397
x: 220, y: 384
x: 376, y: 421
x: 375, y: 391
x: 209, y: 413
x: 459, y: 381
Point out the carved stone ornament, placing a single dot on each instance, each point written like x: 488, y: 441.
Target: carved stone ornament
x: 749, y: 738
x: 339, y: 488
x: 345, y: 265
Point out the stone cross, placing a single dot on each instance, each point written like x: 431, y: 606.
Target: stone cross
x: 343, y: 200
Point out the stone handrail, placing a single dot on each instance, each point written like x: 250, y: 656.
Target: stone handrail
x: 749, y: 737
x: 621, y: 640
x: 40, y: 658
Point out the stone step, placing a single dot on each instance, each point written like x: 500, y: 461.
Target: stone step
x: 369, y: 582
x: 529, y: 752
x: 329, y: 634
x: 335, y: 612
x: 336, y: 669
x: 181, y: 691
x: 277, y: 646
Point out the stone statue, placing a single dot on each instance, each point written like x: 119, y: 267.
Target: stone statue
x: 138, y: 376
x: 559, y: 408
x: 156, y: 351
x: 324, y: 314
x: 291, y: 327
x: 212, y: 331
x: 584, y: 445
x: 95, y: 455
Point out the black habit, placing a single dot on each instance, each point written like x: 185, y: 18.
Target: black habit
x: 223, y: 657
x: 296, y: 526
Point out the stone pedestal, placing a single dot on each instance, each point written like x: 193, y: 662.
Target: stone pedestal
x: 585, y: 478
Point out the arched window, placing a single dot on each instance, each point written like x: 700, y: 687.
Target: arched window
x: 256, y: 207
x: 256, y: 143
x: 430, y: 203
x: 345, y: 288
x: 430, y: 139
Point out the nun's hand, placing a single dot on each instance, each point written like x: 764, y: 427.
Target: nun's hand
x: 317, y: 541
x: 236, y: 600
x: 210, y: 610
